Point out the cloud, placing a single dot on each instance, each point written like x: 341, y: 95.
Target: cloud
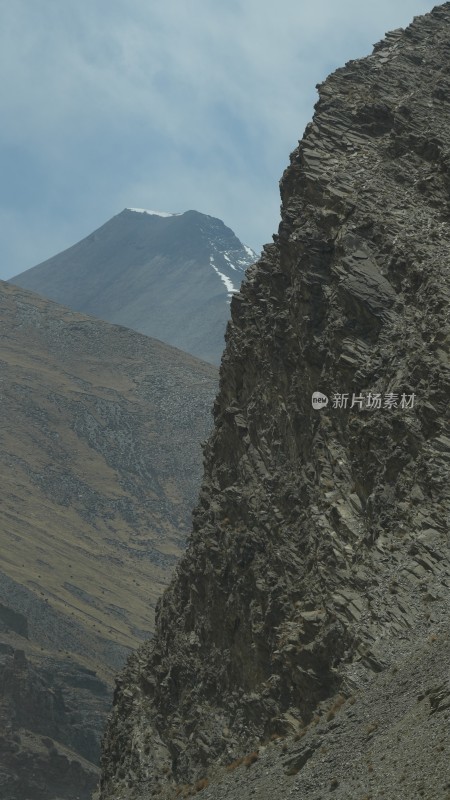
x: 125, y: 102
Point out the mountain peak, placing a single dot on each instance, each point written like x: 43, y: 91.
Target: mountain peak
x: 169, y: 275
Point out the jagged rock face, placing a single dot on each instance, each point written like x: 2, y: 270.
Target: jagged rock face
x: 318, y: 532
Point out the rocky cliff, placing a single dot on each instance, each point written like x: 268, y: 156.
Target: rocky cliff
x: 319, y: 558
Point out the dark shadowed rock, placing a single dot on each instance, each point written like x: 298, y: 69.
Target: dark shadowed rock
x: 40, y: 747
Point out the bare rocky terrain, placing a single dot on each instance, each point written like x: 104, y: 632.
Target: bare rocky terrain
x: 100, y: 453
x: 302, y: 648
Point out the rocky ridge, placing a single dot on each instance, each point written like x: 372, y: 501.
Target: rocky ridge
x: 319, y: 556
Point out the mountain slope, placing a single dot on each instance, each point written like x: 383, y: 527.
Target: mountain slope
x: 320, y: 551
x: 169, y: 276
x: 100, y: 462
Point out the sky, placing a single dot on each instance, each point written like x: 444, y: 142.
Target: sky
x: 173, y: 105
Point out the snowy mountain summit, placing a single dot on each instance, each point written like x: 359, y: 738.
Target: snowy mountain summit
x: 170, y: 275
x: 233, y: 259
x: 155, y: 213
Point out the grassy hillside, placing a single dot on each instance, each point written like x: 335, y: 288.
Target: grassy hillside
x: 100, y: 461
x: 100, y: 454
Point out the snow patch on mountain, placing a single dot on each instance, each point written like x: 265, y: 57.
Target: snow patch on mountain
x: 249, y: 251
x: 229, y: 261
x: 228, y: 283
x: 155, y: 213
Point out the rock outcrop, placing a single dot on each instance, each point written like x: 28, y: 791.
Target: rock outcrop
x: 320, y: 546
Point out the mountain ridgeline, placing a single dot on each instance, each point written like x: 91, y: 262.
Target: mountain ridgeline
x: 313, y: 600
x: 170, y: 276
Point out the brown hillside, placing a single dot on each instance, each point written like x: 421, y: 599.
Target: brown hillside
x: 100, y: 464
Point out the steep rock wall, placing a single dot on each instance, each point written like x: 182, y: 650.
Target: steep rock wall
x: 317, y: 533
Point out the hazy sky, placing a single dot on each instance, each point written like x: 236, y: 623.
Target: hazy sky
x: 173, y: 105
